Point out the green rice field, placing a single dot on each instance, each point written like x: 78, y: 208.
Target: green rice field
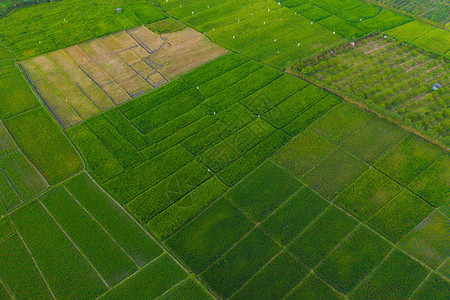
x: 299, y: 151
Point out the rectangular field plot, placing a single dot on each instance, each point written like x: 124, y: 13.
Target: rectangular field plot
x: 374, y: 139
x: 294, y: 215
x: 334, y: 173
x: 340, y: 122
x: 186, y: 290
x: 429, y: 241
x: 316, y: 241
x: 83, y: 80
x: 18, y: 271
x: 287, y: 271
x: 207, y: 237
x: 150, y: 282
x: 19, y: 180
x: 45, y: 145
x: 397, y: 277
x: 433, y: 184
x: 112, y: 218
x: 238, y: 265
x: 303, y: 152
x: 374, y: 69
x: 16, y: 94
x: 408, y: 159
x: 104, y: 253
x: 353, y: 259
x: 58, y: 259
x: 183, y: 210
x: 435, y: 287
x: 400, y: 215
x: 314, y: 288
x: 367, y: 194
x: 263, y: 190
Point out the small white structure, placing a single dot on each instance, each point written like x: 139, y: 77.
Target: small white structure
x: 119, y: 10
x: 436, y: 86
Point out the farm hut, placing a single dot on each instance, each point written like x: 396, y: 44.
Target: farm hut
x: 118, y: 10
x: 436, y: 87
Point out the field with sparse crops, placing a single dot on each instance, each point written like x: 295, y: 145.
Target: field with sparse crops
x: 247, y: 149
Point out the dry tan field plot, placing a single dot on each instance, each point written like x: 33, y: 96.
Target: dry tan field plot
x: 83, y: 80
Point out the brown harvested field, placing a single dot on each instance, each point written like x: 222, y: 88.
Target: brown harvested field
x: 85, y: 79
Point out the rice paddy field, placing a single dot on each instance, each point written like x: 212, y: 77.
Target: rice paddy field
x: 244, y: 149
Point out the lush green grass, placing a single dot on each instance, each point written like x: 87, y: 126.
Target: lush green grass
x: 374, y: 139
x: 185, y: 291
x: 334, y: 173
x: 367, y: 194
x: 238, y: 265
x: 166, y: 26
x: 313, y: 288
x: 429, y: 241
x: 168, y: 191
x: 140, y: 105
x: 400, y: 215
x: 6, y: 229
x: 313, y: 113
x: 437, y: 41
x: 286, y: 111
x: 36, y: 30
x: 294, y: 215
x: 263, y: 191
x: 316, y: 241
x: 410, y: 31
x: 273, y: 94
x: 17, y: 97
x: 65, y: 269
x: 180, y: 212
x: 341, y: 122
x: 241, y: 89
x: 114, y: 219
x: 99, y: 160
x: 207, y: 237
x: 18, y: 271
x: 433, y: 184
x: 408, y: 159
x: 397, y: 277
x: 303, y: 152
x: 435, y: 287
x: 150, y: 282
x: 228, y: 150
x: 129, y: 184
x: 236, y: 170
x: 274, y: 280
x: 20, y: 181
x: 40, y: 138
x: 124, y: 151
x: 6, y: 142
x: 111, y: 262
x: 352, y: 260
x: 219, y: 83
x: 214, y: 69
